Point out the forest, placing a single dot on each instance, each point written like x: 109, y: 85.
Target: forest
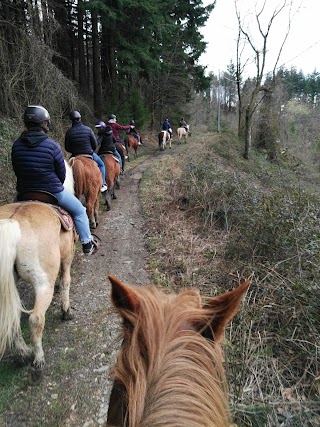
x: 257, y: 140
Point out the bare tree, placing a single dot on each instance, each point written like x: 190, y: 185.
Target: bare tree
x: 259, y: 49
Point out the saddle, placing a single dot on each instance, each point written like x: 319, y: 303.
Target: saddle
x: 49, y: 199
x: 110, y: 152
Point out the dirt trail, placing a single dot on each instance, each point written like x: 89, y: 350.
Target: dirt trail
x: 79, y: 354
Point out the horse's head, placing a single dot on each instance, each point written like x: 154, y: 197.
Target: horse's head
x: 170, y: 341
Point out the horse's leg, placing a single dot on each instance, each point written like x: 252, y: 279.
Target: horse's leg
x: 43, y: 280
x: 90, y: 206
x: 67, y: 248
x: 126, y: 143
x: 108, y: 199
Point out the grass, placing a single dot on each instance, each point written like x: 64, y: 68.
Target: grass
x: 218, y: 220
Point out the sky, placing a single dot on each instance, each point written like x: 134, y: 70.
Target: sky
x: 301, y: 50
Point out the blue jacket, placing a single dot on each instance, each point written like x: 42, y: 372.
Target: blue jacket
x: 80, y: 139
x: 166, y: 125
x: 38, y: 163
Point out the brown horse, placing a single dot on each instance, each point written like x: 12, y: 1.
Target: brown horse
x: 33, y: 247
x: 170, y: 366
x: 131, y: 143
x: 88, y: 182
x: 113, y: 177
x: 163, y: 138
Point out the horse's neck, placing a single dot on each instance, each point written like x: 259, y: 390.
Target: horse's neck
x: 69, y: 181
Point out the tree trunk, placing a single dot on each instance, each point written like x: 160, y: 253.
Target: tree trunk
x: 97, y: 84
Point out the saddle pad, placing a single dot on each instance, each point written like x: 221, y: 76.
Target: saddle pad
x: 65, y: 218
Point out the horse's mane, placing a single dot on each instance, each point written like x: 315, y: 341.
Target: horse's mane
x: 173, y: 376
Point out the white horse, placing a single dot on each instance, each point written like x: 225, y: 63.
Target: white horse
x: 182, y: 133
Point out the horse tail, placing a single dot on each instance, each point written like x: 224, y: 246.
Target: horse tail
x: 10, y: 304
x: 79, y: 177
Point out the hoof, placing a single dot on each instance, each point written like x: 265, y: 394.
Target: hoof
x: 66, y: 315
x: 36, y: 375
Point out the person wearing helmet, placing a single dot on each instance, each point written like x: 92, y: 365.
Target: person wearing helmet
x: 133, y: 131
x: 106, y: 141
x: 80, y: 139
x: 167, y: 126
x: 183, y: 124
x: 112, y: 121
x: 39, y: 165
x: 116, y: 127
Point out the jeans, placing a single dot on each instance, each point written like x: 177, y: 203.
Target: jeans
x: 102, y: 167
x: 78, y: 212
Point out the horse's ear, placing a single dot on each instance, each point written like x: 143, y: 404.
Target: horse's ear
x: 123, y: 296
x: 224, y: 307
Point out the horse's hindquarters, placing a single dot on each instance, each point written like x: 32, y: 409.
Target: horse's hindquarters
x: 37, y: 262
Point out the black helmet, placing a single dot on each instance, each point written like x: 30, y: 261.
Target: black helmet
x: 132, y: 122
x: 75, y: 116
x: 36, y: 114
x: 112, y: 116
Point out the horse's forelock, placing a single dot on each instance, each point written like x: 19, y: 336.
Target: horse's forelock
x: 160, y: 343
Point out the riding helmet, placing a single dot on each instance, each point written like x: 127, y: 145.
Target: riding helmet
x: 36, y: 114
x: 100, y: 125
x: 75, y: 116
x: 132, y: 122
x: 112, y: 116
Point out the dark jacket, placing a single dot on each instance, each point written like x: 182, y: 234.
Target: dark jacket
x: 166, y: 125
x: 80, y: 139
x: 107, y: 142
x: 38, y: 163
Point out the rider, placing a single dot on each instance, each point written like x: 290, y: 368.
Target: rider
x: 80, y: 139
x: 183, y: 124
x: 166, y: 126
x: 106, y: 141
x: 38, y: 164
x: 112, y: 121
x: 134, y: 132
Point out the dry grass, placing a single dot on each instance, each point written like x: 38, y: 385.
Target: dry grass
x: 272, y: 347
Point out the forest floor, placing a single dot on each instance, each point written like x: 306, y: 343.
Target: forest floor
x: 80, y: 353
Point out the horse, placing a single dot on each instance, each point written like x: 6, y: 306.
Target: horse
x: 33, y: 247
x: 112, y: 177
x: 88, y: 182
x: 131, y: 142
x: 169, y: 369
x: 182, y: 133
x: 163, y: 138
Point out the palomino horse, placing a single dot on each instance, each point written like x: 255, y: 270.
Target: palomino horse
x: 113, y: 177
x: 182, y: 133
x: 33, y: 247
x: 170, y: 366
x: 131, y: 143
x: 88, y: 182
x: 163, y: 138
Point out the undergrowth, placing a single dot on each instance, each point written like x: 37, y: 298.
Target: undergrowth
x: 217, y: 219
